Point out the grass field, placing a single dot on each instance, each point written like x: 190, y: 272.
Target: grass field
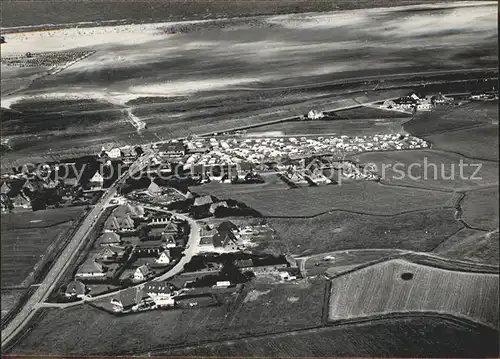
x: 39, y: 219
x: 368, y: 112
x: 445, y: 119
x: 431, y: 169
x: 86, y: 330
x: 383, y: 288
x: 398, y: 337
x: 479, y: 142
x: 417, y: 231
x: 334, y: 263
x: 480, y: 208
x: 364, y: 197
x: 355, y: 127
x: 472, y: 245
x: 29, y: 239
x: 225, y: 191
x: 10, y: 298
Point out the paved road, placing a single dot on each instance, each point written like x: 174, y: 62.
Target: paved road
x: 62, y: 263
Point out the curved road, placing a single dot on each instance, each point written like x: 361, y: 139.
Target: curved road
x: 63, y: 261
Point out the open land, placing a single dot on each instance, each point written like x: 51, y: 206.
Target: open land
x: 480, y: 208
x: 416, y: 231
x: 260, y: 309
x: 383, y: 288
x: 400, y: 337
x: 361, y: 197
x: 431, y: 169
x: 237, y: 72
x: 29, y: 239
x: 472, y: 245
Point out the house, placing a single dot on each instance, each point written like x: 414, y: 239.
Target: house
x: 119, y: 224
x: 171, y: 227
x: 225, y: 241
x: 111, y: 254
x: 14, y: 194
x: 164, y: 257
x: 161, y: 293
x: 201, y: 211
x: 128, y: 299
x: 108, y: 238
x: 227, y: 226
x: 96, y: 181
x: 200, y: 201
x: 115, y: 153
x: 90, y: 269
x: 243, y: 263
x: 142, y: 273
x: 149, y: 248
x: 154, y: 189
x: 169, y: 240
x: 172, y: 149
x: 76, y: 289
x: 159, y: 221
x: 70, y: 182
x: 223, y: 284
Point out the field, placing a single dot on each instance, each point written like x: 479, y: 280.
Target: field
x: 337, y: 262
x: 86, y: 330
x: 396, y: 337
x: 363, y: 197
x: 417, y: 231
x: 357, y: 127
x: 398, y: 286
x: 472, y: 245
x: 28, y: 241
x: 480, y: 208
x: 10, y: 298
x: 445, y: 119
x: 364, y: 112
x: 431, y: 169
x: 480, y: 142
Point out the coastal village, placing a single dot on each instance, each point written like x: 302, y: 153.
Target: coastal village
x: 162, y: 246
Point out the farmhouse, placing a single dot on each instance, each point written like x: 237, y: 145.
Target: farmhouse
x: 142, y: 273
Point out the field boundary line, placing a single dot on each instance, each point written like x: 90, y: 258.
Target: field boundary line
x: 360, y: 213
x: 456, y: 319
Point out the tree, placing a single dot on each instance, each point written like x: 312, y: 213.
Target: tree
x: 143, y: 231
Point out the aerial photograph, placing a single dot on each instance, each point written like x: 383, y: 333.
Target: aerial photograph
x: 249, y: 178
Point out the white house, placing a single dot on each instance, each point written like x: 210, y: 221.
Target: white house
x: 142, y: 273
x: 115, y: 153
x: 96, y: 181
x: 161, y: 293
x: 164, y: 258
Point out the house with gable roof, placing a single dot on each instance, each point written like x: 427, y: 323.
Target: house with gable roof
x: 142, y: 273
x: 161, y: 293
x: 108, y: 238
x: 128, y: 299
